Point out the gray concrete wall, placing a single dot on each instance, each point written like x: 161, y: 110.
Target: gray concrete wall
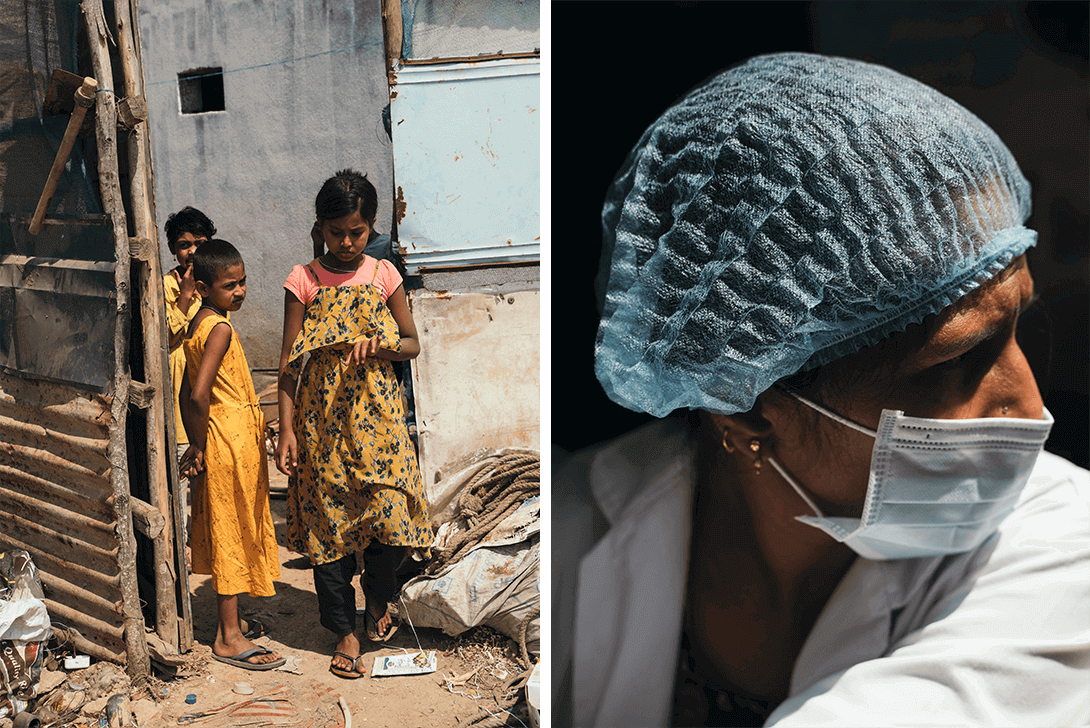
x: 304, y: 86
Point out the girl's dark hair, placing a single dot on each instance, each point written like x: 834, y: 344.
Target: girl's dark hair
x: 213, y: 256
x: 346, y: 192
x: 188, y: 220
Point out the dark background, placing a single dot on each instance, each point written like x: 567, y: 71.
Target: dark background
x: 1021, y: 67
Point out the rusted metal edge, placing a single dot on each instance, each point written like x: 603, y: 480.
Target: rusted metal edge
x: 108, y: 635
x: 469, y: 59
x: 50, y: 440
x: 48, y: 563
x: 80, y: 489
x: 55, y: 418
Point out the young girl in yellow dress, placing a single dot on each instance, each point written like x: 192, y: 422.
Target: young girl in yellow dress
x: 355, y: 485
x: 232, y: 529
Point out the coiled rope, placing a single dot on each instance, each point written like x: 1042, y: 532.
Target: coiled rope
x: 491, y: 496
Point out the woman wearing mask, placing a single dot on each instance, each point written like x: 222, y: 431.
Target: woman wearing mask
x: 856, y: 525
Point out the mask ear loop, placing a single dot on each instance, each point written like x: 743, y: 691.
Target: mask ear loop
x: 798, y: 488
x: 830, y: 414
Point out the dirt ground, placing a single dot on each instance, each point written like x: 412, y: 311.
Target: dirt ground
x: 307, y: 694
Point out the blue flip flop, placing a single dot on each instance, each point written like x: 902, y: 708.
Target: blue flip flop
x: 240, y: 660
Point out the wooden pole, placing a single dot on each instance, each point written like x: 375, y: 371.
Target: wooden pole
x: 138, y: 660
x: 177, y: 523
x: 160, y: 453
x: 392, y: 31
x: 85, y: 96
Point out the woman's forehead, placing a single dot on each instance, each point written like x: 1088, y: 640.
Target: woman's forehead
x: 978, y: 316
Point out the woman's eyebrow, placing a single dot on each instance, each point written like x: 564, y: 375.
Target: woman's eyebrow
x: 970, y: 341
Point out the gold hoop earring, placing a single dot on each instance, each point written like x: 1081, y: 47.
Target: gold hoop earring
x: 727, y: 444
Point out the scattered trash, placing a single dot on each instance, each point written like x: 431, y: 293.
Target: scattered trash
x: 244, y: 688
x: 533, y: 696
x: 26, y: 720
x: 191, y: 699
x: 347, y: 713
x: 291, y: 664
x: 487, y: 553
x: 118, y: 712
x: 77, y: 662
x: 406, y: 664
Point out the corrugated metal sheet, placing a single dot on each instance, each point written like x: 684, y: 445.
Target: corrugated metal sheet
x: 477, y: 381
x: 466, y: 162
x: 55, y: 491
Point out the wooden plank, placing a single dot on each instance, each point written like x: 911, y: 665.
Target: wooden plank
x: 141, y: 395
x: 143, y: 249
x: 149, y: 521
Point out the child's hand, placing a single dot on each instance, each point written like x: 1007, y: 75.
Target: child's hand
x: 362, y: 350
x: 287, y: 452
x: 192, y: 463
x: 188, y: 284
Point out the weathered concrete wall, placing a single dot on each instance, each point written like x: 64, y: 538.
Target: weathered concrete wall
x: 304, y: 87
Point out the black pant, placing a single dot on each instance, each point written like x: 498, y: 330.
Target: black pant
x: 337, y: 598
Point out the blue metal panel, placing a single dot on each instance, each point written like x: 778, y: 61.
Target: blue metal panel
x: 466, y: 162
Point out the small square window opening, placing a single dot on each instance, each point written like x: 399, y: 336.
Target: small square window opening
x: 201, y: 90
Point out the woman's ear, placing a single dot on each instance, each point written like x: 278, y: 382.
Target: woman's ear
x: 741, y: 429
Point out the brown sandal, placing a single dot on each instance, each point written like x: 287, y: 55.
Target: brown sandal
x: 371, y: 626
x: 352, y: 674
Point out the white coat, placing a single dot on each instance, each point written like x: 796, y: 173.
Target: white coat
x: 998, y: 636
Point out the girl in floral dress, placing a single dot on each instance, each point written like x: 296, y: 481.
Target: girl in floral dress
x: 354, y: 483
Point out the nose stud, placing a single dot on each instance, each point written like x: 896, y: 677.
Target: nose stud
x: 1006, y: 409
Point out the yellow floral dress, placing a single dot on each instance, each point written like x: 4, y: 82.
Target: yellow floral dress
x: 231, y: 529
x: 357, y: 478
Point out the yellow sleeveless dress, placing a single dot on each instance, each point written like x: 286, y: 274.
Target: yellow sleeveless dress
x: 357, y: 478
x: 232, y: 534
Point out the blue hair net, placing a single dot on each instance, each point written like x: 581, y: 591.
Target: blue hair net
x: 792, y: 211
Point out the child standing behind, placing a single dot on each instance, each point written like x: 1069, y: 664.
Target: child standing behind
x: 185, y: 229
x: 232, y: 528
x: 355, y: 485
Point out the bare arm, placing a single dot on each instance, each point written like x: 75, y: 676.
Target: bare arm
x: 287, y: 447
x: 198, y: 398
x: 398, y: 303
x: 410, y: 343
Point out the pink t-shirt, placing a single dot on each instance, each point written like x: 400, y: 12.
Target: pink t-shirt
x: 301, y: 283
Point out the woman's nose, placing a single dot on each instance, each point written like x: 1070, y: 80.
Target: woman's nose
x: 1013, y: 390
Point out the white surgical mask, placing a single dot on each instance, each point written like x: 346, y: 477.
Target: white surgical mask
x: 936, y: 486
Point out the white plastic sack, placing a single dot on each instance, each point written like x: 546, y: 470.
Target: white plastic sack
x: 24, y: 628
x: 495, y: 584
x: 23, y: 615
